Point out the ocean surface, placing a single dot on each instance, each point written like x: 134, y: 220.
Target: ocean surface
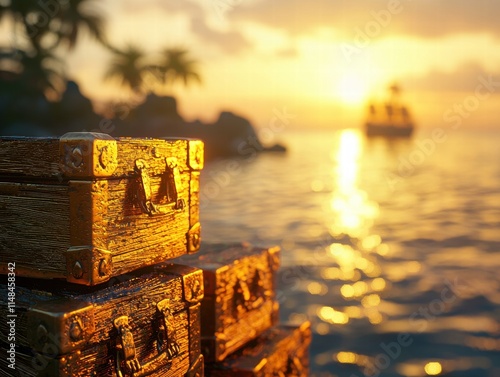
x: 390, y: 248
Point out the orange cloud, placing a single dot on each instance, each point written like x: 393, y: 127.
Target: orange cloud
x: 464, y: 79
x: 425, y: 18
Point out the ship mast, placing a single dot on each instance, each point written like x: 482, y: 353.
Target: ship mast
x: 395, y: 92
x: 394, y: 109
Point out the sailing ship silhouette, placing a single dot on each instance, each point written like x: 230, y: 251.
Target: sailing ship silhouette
x: 391, y: 119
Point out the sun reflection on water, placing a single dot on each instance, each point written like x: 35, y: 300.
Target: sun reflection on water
x: 329, y: 314
x: 361, y: 280
x: 433, y: 368
x: 351, y: 216
x: 360, y: 258
x: 347, y: 357
x: 352, y: 209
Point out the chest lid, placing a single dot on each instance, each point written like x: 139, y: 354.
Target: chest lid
x: 281, y: 350
x: 228, y: 264
x: 87, y: 155
x: 75, y: 317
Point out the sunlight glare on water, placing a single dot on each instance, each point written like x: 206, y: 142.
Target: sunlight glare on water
x: 371, y: 252
x: 433, y: 368
x: 352, y: 211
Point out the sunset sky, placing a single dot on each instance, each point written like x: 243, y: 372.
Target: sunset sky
x: 321, y: 60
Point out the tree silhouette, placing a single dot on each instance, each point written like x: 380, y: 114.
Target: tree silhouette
x: 26, y: 16
x: 77, y: 15
x: 176, y: 65
x: 39, y: 73
x: 43, y: 27
x: 46, y: 24
x: 127, y: 65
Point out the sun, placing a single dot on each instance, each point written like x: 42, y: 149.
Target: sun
x: 352, y: 89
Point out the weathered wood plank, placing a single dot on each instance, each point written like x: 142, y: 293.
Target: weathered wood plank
x: 86, y: 230
x: 136, y: 297
x: 73, y: 153
x: 34, y: 229
x: 240, y: 295
x: 280, y: 351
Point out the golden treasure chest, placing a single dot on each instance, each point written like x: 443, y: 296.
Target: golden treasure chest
x: 282, y: 351
x: 240, y: 295
x: 146, y: 323
x: 86, y: 207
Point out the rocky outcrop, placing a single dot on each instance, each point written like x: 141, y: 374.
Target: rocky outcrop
x: 74, y: 111
x: 230, y: 135
x: 33, y: 115
x: 157, y: 116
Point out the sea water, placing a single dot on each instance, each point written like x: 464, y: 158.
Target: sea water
x: 391, y: 248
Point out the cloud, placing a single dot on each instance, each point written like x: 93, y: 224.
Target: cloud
x: 288, y: 52
x: 229, y: 41
x: 464, y: 79
x: 425, y: 18
x: 168, y: 6
x: 294, y: 16
x: 430, y: 18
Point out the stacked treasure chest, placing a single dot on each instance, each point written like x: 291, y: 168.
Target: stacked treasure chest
x: 240, y: 334
x: 89, y: 225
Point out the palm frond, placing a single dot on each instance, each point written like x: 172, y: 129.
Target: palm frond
x: 78, y: 14
x: 177, y: 65
x: 127, y: 66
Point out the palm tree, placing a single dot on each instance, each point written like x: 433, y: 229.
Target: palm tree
x: 64, y: 20
x: 128, y: 66
x: 25, y: 14
x: 78, y: 14
x: 44, y: 71
x: 176, y: 65
x: 43, y: 26
x: 38, y: 73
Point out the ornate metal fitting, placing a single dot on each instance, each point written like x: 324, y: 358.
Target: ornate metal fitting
x: 145, y: 192
x: 126, y: 346
x: 88, y: 265
x: 60, y: 325
x: 195, y: 150
x: 167, y: 339
x: 249, y: 295
x: 88, y: 154
x: 275, y: 315
x: 176, y: 177
x: 196, y: 369
x: 193, y: 286
x: 88, y: 206
x: 222, y: 341
x: 76, y: 330
x: 258, y: 290
x: 167, y: 346
x: 241, y: 297
x: 156, y: 152
x: 194, y: 238
x: 274, y: 258
x: 294, y: 367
